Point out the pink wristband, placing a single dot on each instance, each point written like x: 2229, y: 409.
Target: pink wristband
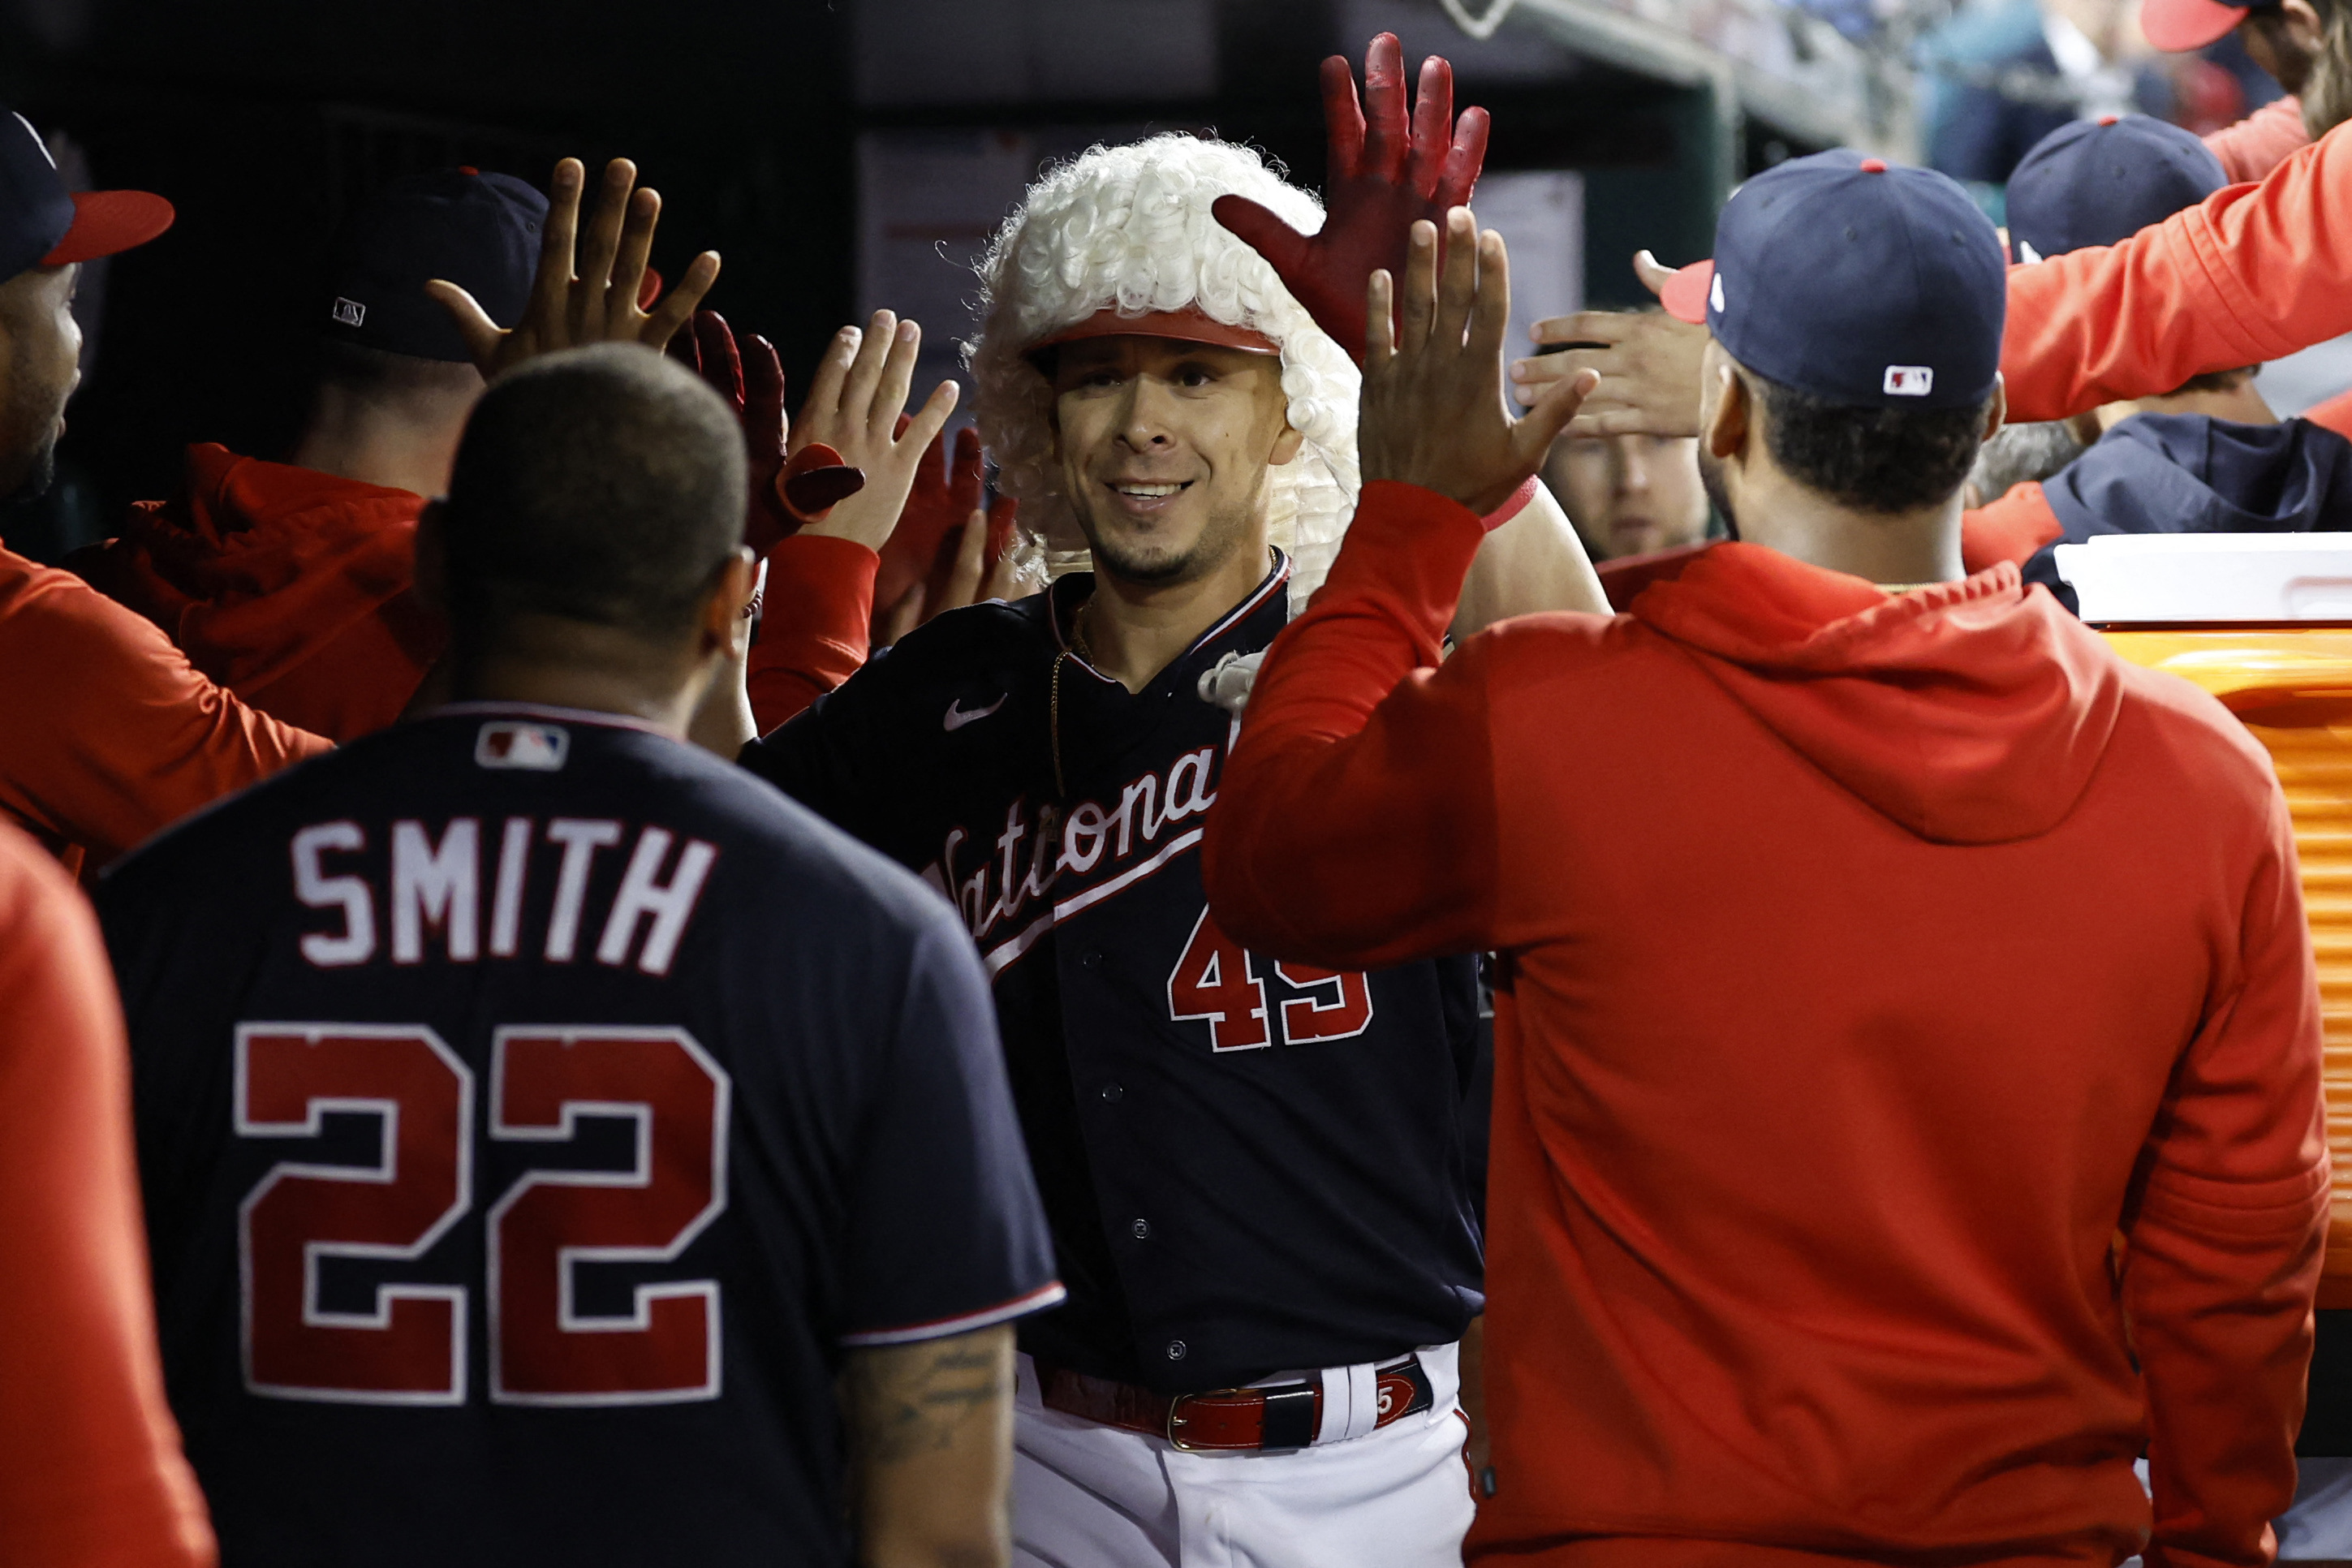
x: 1513, y: 507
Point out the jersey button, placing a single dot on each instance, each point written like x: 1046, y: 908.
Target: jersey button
x: 1141, y: 1229
x: 1090, y: 959
x: 1113, y: 1093
x: 1175, y: 1349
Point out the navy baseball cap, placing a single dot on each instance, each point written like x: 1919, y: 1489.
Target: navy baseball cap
x: 2176, y: 25
x: 2097, y: 182
x: 479, y: 231
x: 42, y: 224
x: 1863, y: 283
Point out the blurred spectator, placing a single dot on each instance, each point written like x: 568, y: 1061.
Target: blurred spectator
x: 290, y: 583
x: 1629, y: 495
x: 2008, y: 78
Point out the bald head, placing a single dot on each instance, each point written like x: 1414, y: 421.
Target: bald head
x: 602, y: 485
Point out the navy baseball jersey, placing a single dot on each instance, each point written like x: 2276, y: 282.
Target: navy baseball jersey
x: 531, y: 1109
x: 1250, y: 1165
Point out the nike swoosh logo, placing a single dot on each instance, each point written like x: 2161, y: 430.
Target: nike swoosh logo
x: 956, y: 717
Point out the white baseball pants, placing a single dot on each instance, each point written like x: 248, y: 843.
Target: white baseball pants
x: 1088, y: 1495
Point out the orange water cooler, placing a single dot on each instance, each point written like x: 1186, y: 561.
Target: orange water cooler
x: 2291, y: 686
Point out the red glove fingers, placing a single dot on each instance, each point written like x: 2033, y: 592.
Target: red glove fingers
x: 761, y: 376
x: 716, y: 358
x: 1387, y: 170
x: 966, y: 478
x: 1386, y: 144
x: 1433, y: 125
x: 1462, y: 161
x: 1343, y: 120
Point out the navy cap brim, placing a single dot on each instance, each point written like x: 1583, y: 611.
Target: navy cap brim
x: 106, y: 223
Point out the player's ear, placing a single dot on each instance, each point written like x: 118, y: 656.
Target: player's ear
x: 726, y: 613
x: 1286, y: 445
x: 433, y: 558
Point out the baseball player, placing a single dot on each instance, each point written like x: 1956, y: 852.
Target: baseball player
x: 1878, y: 948
x: 537, y: 1116
x: 110, y: 735
x: 1253, y: 1171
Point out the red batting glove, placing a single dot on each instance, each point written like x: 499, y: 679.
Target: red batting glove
x: 1382, y: 177
x: 782, y: 495
x: 922, y: 549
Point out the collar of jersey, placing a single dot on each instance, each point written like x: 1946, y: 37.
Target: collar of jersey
x: 1276, y: 576
x: 543, y: 711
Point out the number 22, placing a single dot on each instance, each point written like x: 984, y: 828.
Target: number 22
x: 409, y: 1347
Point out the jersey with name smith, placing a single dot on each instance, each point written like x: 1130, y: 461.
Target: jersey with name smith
x: 532, y: 1111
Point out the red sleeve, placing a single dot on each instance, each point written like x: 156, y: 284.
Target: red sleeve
x: 2260, y: 141
x: 90, y: 1467
x: 812, y: 635
x: 2251, y: 274
x: 112, y: 736
x: 2011, y: 529
x: 2223, y: 1242
x: 1355, y: 825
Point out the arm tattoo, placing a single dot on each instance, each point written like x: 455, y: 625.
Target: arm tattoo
x: 912, y: 1399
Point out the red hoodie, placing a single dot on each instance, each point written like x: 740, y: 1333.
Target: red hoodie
x: 1870, y: 964
x: 2250, y: 273
x: 291, y: 587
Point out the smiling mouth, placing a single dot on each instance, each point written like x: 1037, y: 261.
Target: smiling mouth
x: 1140, y: 499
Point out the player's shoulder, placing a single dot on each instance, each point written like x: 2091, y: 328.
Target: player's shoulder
x: 1555, y: 645
x: 2212, y: 745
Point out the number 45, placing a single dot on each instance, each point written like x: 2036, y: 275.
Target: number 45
x: 1217, y: 979
x: 408, y: 1346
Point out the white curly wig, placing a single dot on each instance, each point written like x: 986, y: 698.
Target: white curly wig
x: 1129, y: 227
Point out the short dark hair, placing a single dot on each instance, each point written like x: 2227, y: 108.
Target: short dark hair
x: 603, y: 485
x: 2218, y: 381
x: 1873, y: 459
x: 379, y: 376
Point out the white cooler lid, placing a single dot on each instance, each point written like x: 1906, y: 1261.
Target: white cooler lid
x: 2159, y: 577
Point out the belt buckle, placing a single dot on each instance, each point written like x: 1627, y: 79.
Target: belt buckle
x: 1174, y: 1420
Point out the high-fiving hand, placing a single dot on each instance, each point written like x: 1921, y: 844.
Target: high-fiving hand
x: 1385, y: 172
x: 595, y: 301
x: 1433, y: 413
x: 854, y: 407
x: 1648, y: 364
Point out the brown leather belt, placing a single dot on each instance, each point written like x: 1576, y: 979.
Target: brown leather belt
x: 1225, y: 1420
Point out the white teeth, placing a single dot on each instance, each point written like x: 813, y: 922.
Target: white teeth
x: 1147, y: 489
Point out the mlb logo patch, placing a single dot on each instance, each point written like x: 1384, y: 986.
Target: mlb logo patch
x: 1909, y: 380
x: 514, y: 744
x: 349, y: 312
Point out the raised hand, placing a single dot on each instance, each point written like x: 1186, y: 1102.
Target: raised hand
x: 1648, y: 364
x: 854, y: 407
x: 1384, y: 173
x: 1433, y: 413
x: 592, y: 297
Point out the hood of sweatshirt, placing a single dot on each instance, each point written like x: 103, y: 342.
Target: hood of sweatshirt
x: 255, y: 565
x: 2192, y: 473
x: 1969, y: 712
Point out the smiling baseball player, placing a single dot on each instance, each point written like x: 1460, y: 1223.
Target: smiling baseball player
x: 1253, y: 1171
